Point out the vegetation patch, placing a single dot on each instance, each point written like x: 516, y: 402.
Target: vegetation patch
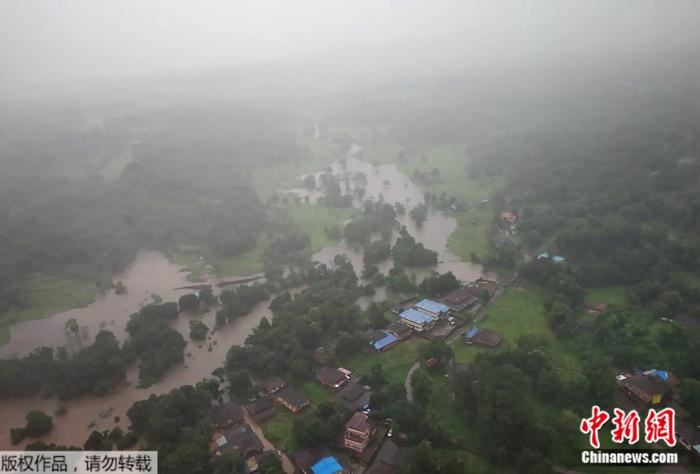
x: 278, y: 430
x: 44, y: 296
x: 395, y: 361
x: 471, y: 237
x: 315, y: 220
x: 608, y: 294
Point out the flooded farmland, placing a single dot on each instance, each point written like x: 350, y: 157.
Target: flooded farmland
x: 151, y: 273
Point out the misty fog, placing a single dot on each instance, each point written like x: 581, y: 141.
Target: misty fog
x: 376, y: 236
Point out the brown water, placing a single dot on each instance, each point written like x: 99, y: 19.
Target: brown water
x: 152, y: 273
x: 390, y: 184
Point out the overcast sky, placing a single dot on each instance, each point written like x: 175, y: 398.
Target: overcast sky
x: 45, y: 41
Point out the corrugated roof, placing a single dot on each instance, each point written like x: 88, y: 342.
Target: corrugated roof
x: 388, y: 339
x: 432, y: 306
x: 327, y: 465
x: 416, y: 316
x: 472, y: 331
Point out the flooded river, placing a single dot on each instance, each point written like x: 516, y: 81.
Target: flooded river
x: 151, y: 273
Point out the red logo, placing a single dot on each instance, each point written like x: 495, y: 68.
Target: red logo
x: 626, y: 426
x: 592, y: 425
x: 658, y: 426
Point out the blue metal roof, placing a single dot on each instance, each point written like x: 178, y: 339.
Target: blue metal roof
x: 555, y: 258
x: 432, y: 306
x: 327, y: 465
x: 416, y: 316
x: 387, y: 340
x: 471, y: 332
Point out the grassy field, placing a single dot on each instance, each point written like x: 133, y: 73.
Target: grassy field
x: 278, y: 430
x: 472, y: 233
x: 313, y: 219
x: 520, y: 312
x: 316, y: 392
x: 46, y: 295
x: 606, y: 294
x: 395, y: 361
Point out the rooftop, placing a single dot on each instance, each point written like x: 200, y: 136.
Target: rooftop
x: 416, y: 316
x: 327, y: 465
x: 460, y: 296
x: 645, y: 383
x: 272, y: 384
x: 293, y: 396
x: 385, y: 341
x: 240, y: 438
x: 432, y: 306
x: 259, y: 405
x: 485, y: 337
x: 329, y: 376
x: 358, y: 422
x: 227, y: 413
x: 555, y: 258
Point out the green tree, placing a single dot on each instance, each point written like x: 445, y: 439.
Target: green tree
x: 38, y: 423
x: 198, y: 330
x: 422, y: 386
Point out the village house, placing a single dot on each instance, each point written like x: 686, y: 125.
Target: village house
x: 304, y: 459
x: 293, y: 399
x: 508, y: 217
x: 482, y: 337
x: 416, y: 320
x: 460, y: 299
x: 354, y: 396
x: 240, y: 438
x: 382, y: 340
x: 358, y: 431
x: 226, y: 414
x: 648, y: 389
x: 261, y: 409
x: 331, y: 377
x: 554, y: 258
x: 432, y: 308
x: 391, y: 459
x: 401, y: 331
x: 272, y: 385
x: 327, y: 465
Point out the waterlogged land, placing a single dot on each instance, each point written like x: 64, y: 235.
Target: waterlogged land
x: 153, y: 274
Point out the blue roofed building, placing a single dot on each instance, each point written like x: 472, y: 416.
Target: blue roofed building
x: 327, y: 465
x: 416, y: 320
x: 432, y: 308
x: 555, y: 258
x: 383, y: 340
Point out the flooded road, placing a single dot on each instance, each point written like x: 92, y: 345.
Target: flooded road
x: 151, y: 273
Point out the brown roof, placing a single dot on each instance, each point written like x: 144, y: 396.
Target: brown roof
x: 459, y: 296
x: 392, y: 455
x: 259, y: 405
x: 352, y: 391
x: 293, y: 396
x: 272, y: 384
x: 358, y: 422
x: 329, y: 376
x: 507, y: 215
x: 353, y: 396
x: 486, y: 337
x: 242, y: 439
x: 227, y: 414
x: 645, y: 383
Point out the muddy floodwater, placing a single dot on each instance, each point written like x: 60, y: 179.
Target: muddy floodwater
x: 151, y: 273
x: 387, y: 182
